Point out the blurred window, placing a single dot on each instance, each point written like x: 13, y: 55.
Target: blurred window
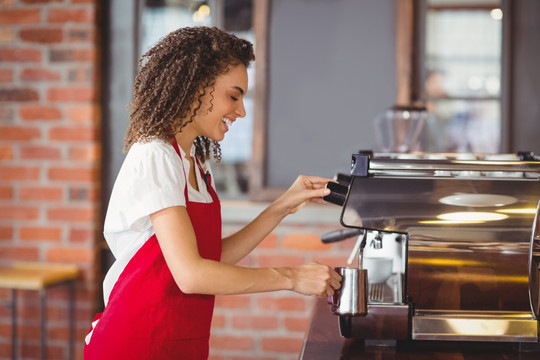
x: 160, y: 17
x: 462, y: 87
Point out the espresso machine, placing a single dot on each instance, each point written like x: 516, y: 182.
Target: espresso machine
x: 448, y: 247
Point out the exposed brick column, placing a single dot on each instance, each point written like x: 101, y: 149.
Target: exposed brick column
x: 49, y: 159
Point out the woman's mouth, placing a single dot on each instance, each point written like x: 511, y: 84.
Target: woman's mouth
x: 227, y: 121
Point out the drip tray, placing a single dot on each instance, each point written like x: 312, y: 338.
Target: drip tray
x: 474, y: 326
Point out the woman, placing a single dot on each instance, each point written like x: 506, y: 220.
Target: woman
x: 163, y: 223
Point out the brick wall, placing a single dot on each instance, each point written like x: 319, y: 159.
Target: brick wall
x: 49, y: 159
x: 50, y: 191
x: 272, y: 326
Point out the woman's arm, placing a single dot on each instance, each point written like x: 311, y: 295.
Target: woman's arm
x: 194, y: 274
x: 304, y: 189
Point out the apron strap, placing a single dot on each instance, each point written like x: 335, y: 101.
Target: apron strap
x: 206, y: 176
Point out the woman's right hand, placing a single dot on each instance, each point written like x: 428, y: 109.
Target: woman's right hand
x: 315, y: 279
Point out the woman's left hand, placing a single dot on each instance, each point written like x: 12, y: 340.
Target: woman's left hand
x: 304, y: 189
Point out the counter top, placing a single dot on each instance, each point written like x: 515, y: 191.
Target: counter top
x: 323, y: 342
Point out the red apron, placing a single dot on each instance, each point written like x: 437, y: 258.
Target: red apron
x: 147, y: 316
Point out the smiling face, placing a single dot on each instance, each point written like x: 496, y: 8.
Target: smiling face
x: 221, y: 106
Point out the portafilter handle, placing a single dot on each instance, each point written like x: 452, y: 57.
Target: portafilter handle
x: 339, y: 235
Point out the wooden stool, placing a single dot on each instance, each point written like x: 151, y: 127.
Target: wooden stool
x: 39, y: 276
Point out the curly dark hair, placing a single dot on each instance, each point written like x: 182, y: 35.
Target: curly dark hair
x: 171, y: 75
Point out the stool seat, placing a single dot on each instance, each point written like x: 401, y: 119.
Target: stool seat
x: 39, y: 276
x: 36, y: 276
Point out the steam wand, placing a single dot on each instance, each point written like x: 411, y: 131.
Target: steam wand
x: 358, y: 250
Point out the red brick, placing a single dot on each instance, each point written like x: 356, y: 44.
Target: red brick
x: 18, y: 133
x: 19, y: 173
x: 20, y: 55
x: 70, y: 255
x: 58, y: 313
x: 218, y: 321
x: 41, y: 35
x: 39, y: 74
x: 6, y: 75
x: 80, y: 74
x: 42, y: 193
x: 78, y: 194
x: 332, y: 261
x: 20, y: 16
x: 6, y: 233
x: 29, y: 331
x: 281, y: 303
x: 70, y: 214
x: 6, y: 114
x: 7, y: 35
x: 280, y: 261
x: 19, y: 253
x: 23, y: 94
x: 255, y: 322
x: 40, y: 233
x: 40, y: 1
x: 88, y: 153
x: 78, y: 55
x: 41, y: 152
x: 85, y: 15
x: 39, y: 112
x: 81, y: 235
x: 27, y: 310
x: 74, y: 134
x: 19, y: 212
x: 81, y: 35
x: 282, y: 344
x: 6, y: 192
x: 83, y: 194
x: 304, y: 241
x: 85, y: 113
x: 31, y: 350
x: 227, y: 342
x: 7, y: 3
x: 296, y: 324
x: 6, y: 153
x: 71, y: 94
x: 59, y: 333
x: 233, y: 301
x: 72, y: 174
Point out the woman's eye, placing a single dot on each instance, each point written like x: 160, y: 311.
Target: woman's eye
x: 234, y: 98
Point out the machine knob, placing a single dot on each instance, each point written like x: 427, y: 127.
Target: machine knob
x: 337, y: 194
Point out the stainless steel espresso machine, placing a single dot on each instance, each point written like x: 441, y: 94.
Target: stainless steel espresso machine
x: 449, y: 243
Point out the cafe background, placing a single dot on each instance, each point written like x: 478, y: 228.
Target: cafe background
x: 325, y: 71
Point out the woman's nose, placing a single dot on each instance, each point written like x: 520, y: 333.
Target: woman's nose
x: 241, y: 110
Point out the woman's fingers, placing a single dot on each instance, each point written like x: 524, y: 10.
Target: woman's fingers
x: 315, y: 279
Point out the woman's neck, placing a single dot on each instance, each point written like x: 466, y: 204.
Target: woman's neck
x: 185, y: 142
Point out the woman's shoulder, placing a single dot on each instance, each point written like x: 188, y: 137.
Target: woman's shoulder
x: 154, y: 155
x: 152, y: 146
